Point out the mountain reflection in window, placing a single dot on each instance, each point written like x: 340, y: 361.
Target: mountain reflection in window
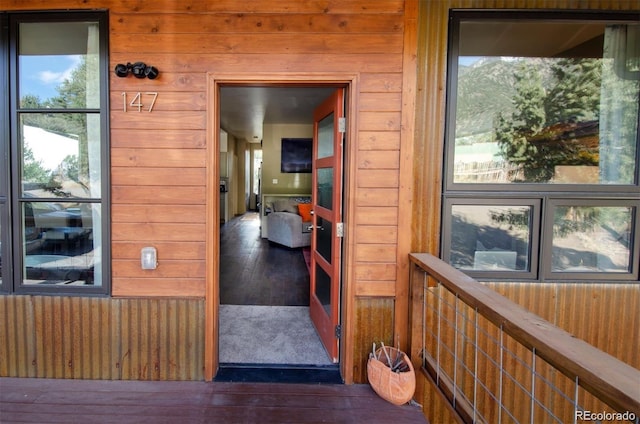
x: 530, y: 111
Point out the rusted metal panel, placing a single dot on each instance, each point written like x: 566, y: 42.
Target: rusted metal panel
x: 373, y: 323
x: 101, y: 338
x: 604, y: 315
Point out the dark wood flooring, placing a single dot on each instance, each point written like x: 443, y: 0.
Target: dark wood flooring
x: 254, y: 271
x: 32, y: 400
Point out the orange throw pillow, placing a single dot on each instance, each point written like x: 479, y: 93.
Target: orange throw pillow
x: 304, y: 209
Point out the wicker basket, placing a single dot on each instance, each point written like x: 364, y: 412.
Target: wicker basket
x: 395, y: 387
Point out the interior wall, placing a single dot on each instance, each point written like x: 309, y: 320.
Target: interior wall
x: 253, y: 202
x: 274, y: 181
x: 240, y: 177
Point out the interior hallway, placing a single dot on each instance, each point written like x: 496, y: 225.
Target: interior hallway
x: 254, y: 271
x: 264, y: 315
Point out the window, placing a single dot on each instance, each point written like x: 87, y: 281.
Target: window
x: 542, y: 146
x: 4, y: 168
x: 53, y: 198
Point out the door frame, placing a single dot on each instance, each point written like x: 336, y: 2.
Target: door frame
x: 212, y: 224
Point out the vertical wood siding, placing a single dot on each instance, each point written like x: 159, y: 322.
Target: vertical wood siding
x: 373, y: 323
x: 604, y: 315
x: 99, y: 338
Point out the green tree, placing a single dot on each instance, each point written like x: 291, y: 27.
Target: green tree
x: 513, y: 133
x: 575, y: 95
x: 72, y: 94
x: 537, y: 135
x: 69, y: 168
x: 32, y: 169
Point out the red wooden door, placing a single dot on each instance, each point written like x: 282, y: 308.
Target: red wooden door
x: 326, y: 240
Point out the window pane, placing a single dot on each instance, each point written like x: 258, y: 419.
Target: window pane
x: 557, y: 108
x: 325, y: 188
x: 60, y: 155
x: 323, y: 289
x: 59, y: 65
x: 490, y: 237
x: 61, y: 243
x: 592, y: 239
x: 325, y: 137
x: 324, y: 239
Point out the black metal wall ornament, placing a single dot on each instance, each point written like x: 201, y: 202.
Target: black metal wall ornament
x: 137, y: 69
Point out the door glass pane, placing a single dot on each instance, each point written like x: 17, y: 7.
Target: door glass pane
x: 592, y: 239
x: 59, y: 65
x: 61, y: 243
x: 325, y: 136
x: 325, y: 188
x: 490, y: 237
x: 60, y: 155
x: 323, y: 239
x: 528, y: 111
x: 323, y: 289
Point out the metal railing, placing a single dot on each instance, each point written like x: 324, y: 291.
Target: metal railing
x: 496, y: 362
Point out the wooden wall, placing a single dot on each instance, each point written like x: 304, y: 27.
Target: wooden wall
x: 160, y: 161
x: 605, y: 315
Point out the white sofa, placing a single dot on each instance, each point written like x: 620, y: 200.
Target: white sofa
x: 287, y: 229
x: 283, y: 220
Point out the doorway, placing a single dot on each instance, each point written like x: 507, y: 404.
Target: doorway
x: 264, y: 330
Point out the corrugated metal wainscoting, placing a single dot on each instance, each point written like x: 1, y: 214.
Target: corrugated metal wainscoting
x: 101, y: 338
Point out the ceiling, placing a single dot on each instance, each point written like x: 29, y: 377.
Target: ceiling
x: 531, y: 39
x: 245, y: 109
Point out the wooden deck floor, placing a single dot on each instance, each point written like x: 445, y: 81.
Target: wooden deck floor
x: 30, y: 400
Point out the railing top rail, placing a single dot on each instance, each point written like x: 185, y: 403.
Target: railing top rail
x: 608, y: 378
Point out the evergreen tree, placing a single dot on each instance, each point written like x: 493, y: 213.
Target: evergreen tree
x: 575, y: 95
x: 72, y: 94
x: 32, y: 169
x: 532, y: 135
x: 513, y: 133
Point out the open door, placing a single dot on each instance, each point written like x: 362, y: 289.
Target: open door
x: 326, y: 240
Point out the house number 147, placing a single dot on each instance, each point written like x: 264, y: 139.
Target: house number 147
x: 136, y: 101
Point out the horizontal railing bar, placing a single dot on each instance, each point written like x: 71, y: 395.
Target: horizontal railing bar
x: 606, y: 377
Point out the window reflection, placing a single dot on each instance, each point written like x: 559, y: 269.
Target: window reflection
x: 60, y: 155
x: 490, y: 237
x: 64, y: 54
x: 592, y: 239
x: 59, y: 243
x: 556, y: 109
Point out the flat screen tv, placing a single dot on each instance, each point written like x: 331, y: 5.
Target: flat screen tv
x: 296, y: 155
